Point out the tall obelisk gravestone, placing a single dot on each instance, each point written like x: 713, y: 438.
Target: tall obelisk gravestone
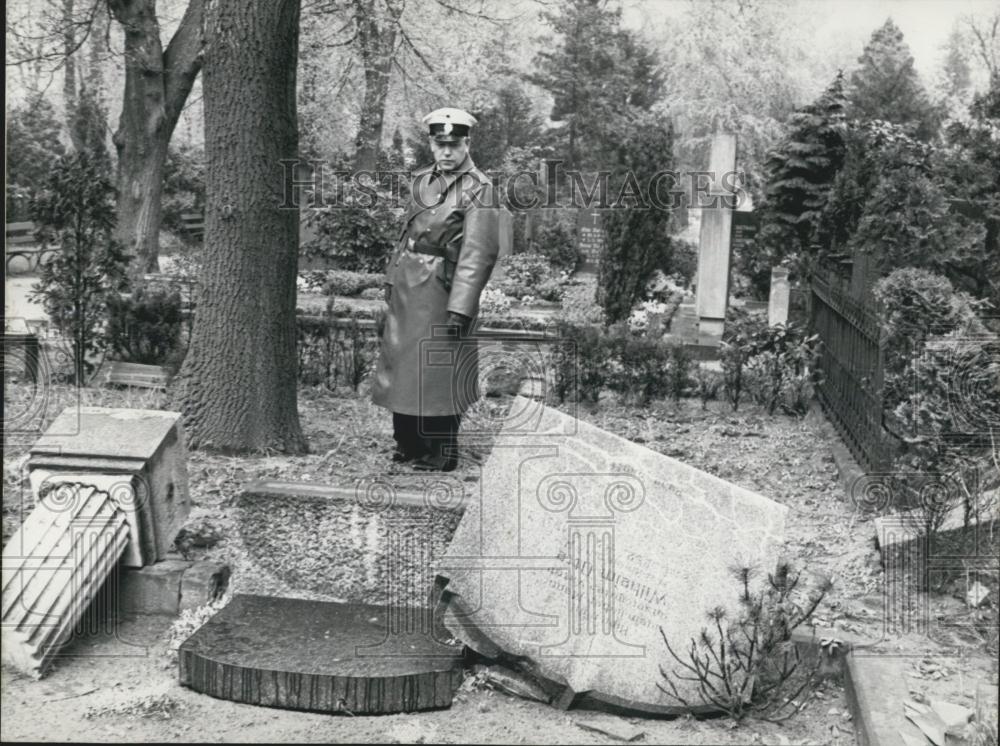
x: 715, y: 244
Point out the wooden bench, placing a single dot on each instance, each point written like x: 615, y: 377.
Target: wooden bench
x: 19, y: 233
x: 23, y: 251
x: 20, y: 343
x: 134, y: 375
x: 193, y: 225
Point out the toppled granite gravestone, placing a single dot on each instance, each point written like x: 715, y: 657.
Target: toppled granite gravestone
x: 318, y: 656
x: 371, y: 541
x: 137, y: 456
x: 584, y: 544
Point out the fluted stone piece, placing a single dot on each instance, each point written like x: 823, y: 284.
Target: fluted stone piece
x: 53, y: 567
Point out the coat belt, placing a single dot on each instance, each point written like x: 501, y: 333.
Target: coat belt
x: 426, y: 247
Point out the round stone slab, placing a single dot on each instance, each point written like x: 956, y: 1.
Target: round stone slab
x: 323, y: 657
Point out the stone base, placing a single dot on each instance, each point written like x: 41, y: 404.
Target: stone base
x: 371, y: 543
x: 710, y: 332
x: 170, y: 586
x: 322, y: 657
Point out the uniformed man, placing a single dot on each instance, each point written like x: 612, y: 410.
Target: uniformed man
x: 427, y: 372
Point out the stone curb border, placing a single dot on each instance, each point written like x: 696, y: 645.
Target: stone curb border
x: 845, y: 667
x: 848, y: 469
x: 405, y: 498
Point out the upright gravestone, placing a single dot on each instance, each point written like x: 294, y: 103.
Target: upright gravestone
x: 777, y: 303
x: 715, y: 244
x: 744, y: 231
x: 590, y: 238
x: 584, y: 545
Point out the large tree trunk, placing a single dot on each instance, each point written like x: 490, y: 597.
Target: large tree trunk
x: 239, y: 377
x: 377, y: 30
x: 369, y: 140
x: 157, y: 84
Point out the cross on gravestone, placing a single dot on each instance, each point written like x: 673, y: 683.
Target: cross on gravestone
x: 604, y: 543
x: 590, y: 238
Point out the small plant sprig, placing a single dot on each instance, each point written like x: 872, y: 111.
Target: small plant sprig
x: 749, y: 665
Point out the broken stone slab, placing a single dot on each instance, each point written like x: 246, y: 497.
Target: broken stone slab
x: 53, y: 567
x: 959, y: 735
x: 909, y: 739
x: 977, y: 594
x: 511, y: 682
x: 372, y: 540
x: 136, y: 455
x: 930, y: 724
x: 317, y: 656
x: 584, y: 544
x: 950, y: 713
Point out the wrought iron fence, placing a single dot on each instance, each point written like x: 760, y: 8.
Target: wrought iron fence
x: 852, y: 360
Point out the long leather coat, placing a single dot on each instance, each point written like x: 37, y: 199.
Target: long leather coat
x: 425, y: 367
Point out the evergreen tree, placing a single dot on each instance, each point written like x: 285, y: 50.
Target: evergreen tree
x: 886, y: 85
x: 800, y: 175
x: 505, y: 122
x: 638, y: 236
x: 956, y: 73
x: 597, y: 73
x: 970, y: 166
x: 33, y: 144
x: 75, y: 210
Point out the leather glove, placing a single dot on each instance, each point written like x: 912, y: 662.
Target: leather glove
x: 462, y: 321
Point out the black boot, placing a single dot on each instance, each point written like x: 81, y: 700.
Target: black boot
x: 404, y: 456
x: 436, y: 462
x: 441, y: 435
x: 409, y: 444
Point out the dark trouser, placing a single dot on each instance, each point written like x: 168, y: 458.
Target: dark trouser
x: 416, y: 435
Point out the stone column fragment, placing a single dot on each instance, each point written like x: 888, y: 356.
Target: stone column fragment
x: 53, y: 567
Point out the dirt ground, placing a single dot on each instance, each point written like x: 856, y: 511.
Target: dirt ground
x: 103, y: 696
x: 123, y: 687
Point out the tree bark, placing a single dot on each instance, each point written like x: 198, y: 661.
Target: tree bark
x: 157, y: 84
x: 69, y: 67
x: 239, y: 378
x: 376, y: 45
